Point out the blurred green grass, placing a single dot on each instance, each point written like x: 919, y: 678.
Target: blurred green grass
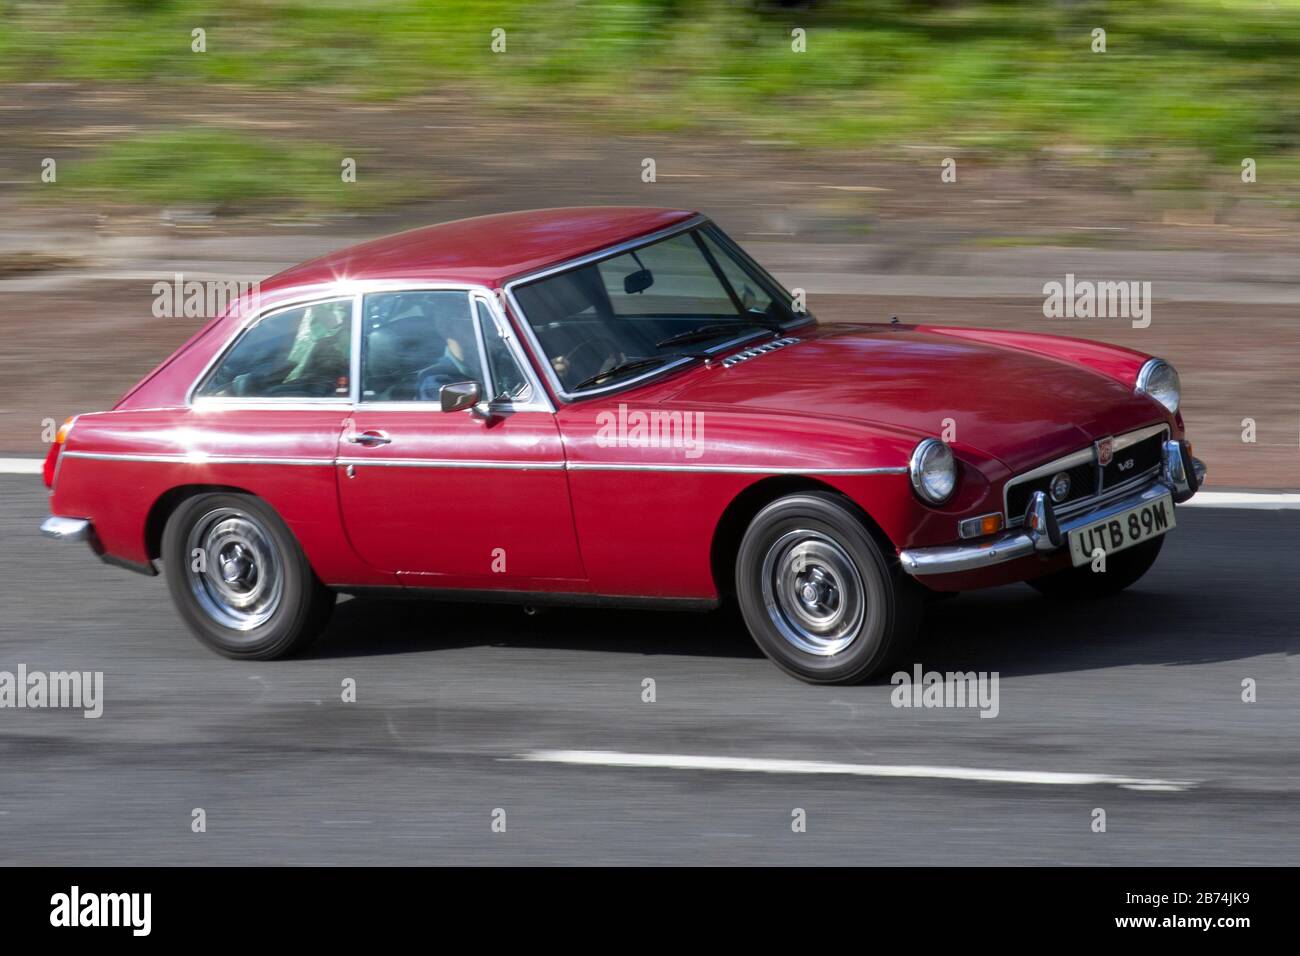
x: 228, y: 171
x: 1214, y: 80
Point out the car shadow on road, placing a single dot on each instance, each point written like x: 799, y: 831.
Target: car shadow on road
x: 364, y: 626
x: 1015, y: 631
x: 1012, y: 630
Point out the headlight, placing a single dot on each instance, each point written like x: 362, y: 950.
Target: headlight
x: 933, y: 471
x: 1159, y: 380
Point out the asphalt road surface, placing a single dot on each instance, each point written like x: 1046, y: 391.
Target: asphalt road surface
x: 450, y: 698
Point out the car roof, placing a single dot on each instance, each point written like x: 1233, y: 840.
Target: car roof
x: 485, y: 250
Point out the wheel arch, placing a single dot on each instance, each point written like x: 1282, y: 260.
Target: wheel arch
x: 738, y: 514
x: 170, y: 500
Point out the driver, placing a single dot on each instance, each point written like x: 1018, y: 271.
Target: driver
x: 459, y: 361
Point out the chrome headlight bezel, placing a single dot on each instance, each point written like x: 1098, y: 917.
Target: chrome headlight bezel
x: 932, y: 457
x: 1154, y: 380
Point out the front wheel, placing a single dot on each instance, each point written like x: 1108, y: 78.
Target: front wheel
x: 1083, y: 583
x: 819, y: 596
x: 239, y: 578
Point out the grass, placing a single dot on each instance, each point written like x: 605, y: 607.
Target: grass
x: 222, y: 169
x: 1213, y: 81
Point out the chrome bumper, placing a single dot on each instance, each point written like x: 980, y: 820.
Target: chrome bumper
x: 66, y: 529
x: 1042, y: 533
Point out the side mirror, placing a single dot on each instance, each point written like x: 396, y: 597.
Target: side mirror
x: 459, y: 395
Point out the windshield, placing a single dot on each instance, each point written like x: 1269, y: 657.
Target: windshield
x: 613, y: 320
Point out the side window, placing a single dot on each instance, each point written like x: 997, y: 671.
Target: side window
x: 299, y: 353
x: 413, y: 343
x: 508, y: 380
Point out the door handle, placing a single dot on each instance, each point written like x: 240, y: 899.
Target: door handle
x: 370, y: 438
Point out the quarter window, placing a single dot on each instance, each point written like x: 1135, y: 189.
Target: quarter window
x: 299, y: 353
x: 508, y: 381
x: 413, y: 343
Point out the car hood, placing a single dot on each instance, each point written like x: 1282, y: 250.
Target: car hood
x: 1019, y: 407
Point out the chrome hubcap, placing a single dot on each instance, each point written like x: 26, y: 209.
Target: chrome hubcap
x: 234, y: 569
x: 813, y: 592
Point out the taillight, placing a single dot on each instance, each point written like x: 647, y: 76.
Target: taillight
x: 56, y: 446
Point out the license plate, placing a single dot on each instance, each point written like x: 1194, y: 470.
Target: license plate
x: 1122, y: 530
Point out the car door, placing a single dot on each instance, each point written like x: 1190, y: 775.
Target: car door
x: 476, y: 498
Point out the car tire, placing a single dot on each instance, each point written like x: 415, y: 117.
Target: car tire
x: 1083, y: 584
x: 821, y: 598
x: 239, y: 578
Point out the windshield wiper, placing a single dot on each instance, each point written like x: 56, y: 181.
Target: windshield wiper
x: 712, y: 331
x: 622, y: 368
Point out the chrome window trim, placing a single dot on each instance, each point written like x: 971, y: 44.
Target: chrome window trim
x: 354, y: 360
x: 538, y: 400
x: 357, y: 290
x: 1073, y: 459
x: 394, y: 287
x: 610, y: 252
x: 247, y: 325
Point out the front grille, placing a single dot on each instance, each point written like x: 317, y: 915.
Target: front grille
x: 1132, y: 461
x: 1083, y: 484
x: 1089, y: 482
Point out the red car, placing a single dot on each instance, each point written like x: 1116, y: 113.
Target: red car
x: 616, y: 406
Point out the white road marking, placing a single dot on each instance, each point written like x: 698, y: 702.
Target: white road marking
x: 1243, y: 499
x: 613, y: 758
x: 21, y: 466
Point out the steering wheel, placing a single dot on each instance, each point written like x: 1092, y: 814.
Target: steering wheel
x: 605, y: 356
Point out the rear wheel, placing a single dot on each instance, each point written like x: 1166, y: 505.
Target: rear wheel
x: 1083, y: 583
x: 239, y: 578
x: 819, y: 596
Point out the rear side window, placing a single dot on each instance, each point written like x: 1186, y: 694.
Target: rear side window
x: 299, y: 353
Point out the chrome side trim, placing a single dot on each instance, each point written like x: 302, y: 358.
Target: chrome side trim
x: 66, y: 529
x: 733, y: 469
x: 454, y: 463
x: 197, y: 459
x: 476, y: 463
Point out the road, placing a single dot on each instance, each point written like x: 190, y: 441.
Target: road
x: 450, y: 697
